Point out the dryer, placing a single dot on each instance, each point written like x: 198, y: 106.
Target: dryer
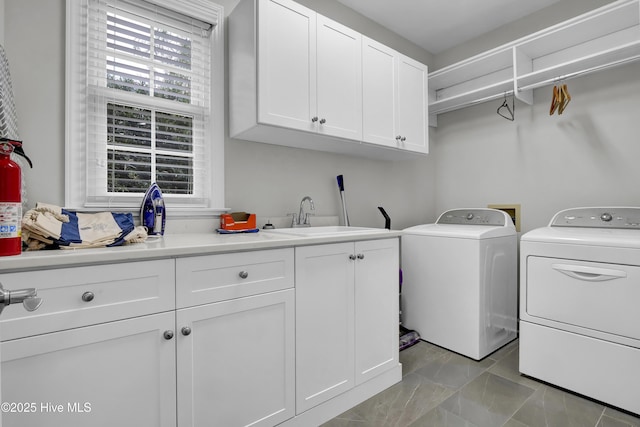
x: 580, y: 304
x: 460, y: 281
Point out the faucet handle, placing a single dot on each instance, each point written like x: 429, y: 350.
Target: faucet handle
x: 294, y: 218
x: 307, y: 219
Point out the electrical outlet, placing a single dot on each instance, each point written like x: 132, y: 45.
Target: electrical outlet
x: 512, y: 210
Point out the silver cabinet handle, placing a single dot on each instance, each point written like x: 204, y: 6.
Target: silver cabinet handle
x: 352, y: 257
x: 322, y: 121
x: 168, y: 335
x: 243, y: 274
x: 403, y: 139
x: 398, y: 137
x: 88, y: 296
x: 186, y: 331
x: 360, y: 256
x: 314, y: 119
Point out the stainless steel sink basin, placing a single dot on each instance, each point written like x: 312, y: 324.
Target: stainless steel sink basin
x: 330, y: 230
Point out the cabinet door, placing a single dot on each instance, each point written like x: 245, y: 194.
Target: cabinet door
x: 376, y: 307
x: 339, y: 77
x: 114, y: 374
x: 412, y: 105
x: 236, y: 366
x: 286, y: 64
x: 379, y: 93
x: 324, y: 323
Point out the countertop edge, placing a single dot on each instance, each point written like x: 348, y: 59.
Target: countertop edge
x: 174, y: 246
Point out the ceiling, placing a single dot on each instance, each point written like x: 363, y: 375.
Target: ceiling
x: 436, y: 25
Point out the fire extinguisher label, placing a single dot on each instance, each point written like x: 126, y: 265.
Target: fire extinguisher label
x: 10, y: 220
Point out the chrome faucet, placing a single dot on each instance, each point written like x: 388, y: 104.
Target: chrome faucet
x: 303, y: 220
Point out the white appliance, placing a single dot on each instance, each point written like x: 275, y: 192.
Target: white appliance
x: 580, y: 304
x: 460, y: 288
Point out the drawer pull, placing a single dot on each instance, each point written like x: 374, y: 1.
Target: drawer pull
x: 88, y: 296
x: 589, y: 274
x: 243, y: 274
x: 186, y: 331
x: 168, y: 335
x: 360, y: 256
x: 352, y: 257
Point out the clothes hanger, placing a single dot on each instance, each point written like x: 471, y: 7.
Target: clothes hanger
x: 510, y: 113
x: 555, y: 100
x: 566, y: 98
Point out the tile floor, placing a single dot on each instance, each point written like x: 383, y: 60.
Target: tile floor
x: 443, y: 389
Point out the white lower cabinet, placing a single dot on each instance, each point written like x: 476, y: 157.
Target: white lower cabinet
x: 377, y: 283
x: 113, y: 374
x: 346, y: 317
x: 211, y: 340
x: 324, y: 323
x: 236, y: 362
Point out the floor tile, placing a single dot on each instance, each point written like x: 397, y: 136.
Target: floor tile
x: 503, y: 351
x: 452, y: 370
x: 398, y: 406
x: 507, y: 367
x: 514, y: 423
x: 488, y: 401
x: 606, y: 421
x: 444, y: 389
x: 418, y: 355
x: 613, y: 418
x: 439, y: 417
x: 552, y: 407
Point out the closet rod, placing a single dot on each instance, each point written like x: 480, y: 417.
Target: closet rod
x: 473, y: 102
x: 579, y: 73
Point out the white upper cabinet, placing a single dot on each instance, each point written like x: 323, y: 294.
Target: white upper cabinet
x: 412, y: 105
x: 287, y: 72
x: 394, y: 98
x: 309, y: 72
x: 339, y: 80
x: 380, y: 93
x: 296, y: 79
x: 603, y: 38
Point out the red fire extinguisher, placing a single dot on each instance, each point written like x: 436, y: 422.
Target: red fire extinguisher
x: 10, y: 201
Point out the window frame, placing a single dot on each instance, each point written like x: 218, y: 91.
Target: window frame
x: 77, y: 97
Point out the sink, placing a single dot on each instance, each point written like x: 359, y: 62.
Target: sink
x: 330, y: 230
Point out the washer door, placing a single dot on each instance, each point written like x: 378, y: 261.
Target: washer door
x: 597, y: 296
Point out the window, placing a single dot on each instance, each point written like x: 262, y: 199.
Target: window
x: 145, y: 103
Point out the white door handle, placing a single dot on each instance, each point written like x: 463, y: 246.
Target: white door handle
x: 590, y: 274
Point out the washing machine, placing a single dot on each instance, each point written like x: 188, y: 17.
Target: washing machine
x: 580, y: 303
x: 460, y: 287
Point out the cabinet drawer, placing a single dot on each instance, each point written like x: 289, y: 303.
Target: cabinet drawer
x: 212, y: 278
x: 119, y: 291
x: 597, y: 296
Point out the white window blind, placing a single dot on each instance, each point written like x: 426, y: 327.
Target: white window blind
x: 147, y: 101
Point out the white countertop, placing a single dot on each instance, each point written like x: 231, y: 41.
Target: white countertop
x: 176, y: 245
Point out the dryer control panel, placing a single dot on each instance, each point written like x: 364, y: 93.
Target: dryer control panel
x: 598, y: 217
x: 492, y: 217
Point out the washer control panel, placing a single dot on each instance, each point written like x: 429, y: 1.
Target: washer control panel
x: 611, y: 217
x: 491, y: 217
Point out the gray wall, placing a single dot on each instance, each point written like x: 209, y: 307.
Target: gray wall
x: 587, y: 156
x: 260, y: 178
x: 34, y: 35
x: 2, y: 22
x: 537, y: 21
